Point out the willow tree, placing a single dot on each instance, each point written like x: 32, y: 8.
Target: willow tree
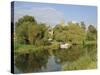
x: 28, y: 31
x: 75, y: 33
x: 72, y: 32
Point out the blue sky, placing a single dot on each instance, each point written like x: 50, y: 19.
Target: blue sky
x: 53, y: 14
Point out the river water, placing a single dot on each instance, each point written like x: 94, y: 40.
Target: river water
x: 50, y: 60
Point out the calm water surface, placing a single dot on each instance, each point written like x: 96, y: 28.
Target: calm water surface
x: 50, y: 60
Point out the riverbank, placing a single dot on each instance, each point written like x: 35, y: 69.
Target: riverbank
x: 30, y: 48
x: 23, y: 48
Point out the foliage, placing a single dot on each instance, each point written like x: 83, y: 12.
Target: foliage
x: 91, y: 33
x: 29, y: 32
x: 69, y: 33
x: 25, y: 18
x: 31, y: 40
x: 23, y: 49
x: 87, y: 60
x: 82, y: 63
x: 22, y: 32
x: 83, y: 25
x: 75, y: 33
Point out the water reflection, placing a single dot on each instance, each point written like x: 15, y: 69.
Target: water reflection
x: 31, y: 62
x: 51, y: 60
x: 52, y: 65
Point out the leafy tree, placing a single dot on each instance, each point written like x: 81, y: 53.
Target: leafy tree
x: 83, y: 25
x: 21, y: 28
x: 75, y: 33
x: 72, y: 32
x: 91, y: 33
x: 25, y: 18
x: 29, y: 32
x: 58, y: 33
x: 33, y: 33
x: 22, y: 32
x: 92, y: 29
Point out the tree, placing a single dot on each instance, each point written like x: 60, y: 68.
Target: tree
x: 92, y: 29
x: 75, y: 33
x: 91, y: 33
x: 29, y: 32
x: 25, y: 18
x: 33, y: 34
x: 23, y: 27
x: 83, y: 25
x: 59, y: 33
x: 23, y: 32
x: 72, y: 32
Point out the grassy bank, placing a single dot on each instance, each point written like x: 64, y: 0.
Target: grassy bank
x: 27, y: 49
x: 83, y: 42
x: 21, y: 48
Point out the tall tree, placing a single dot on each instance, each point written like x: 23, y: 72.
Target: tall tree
x: 75, y: 33
x: 29, y: 32
x: 22, y: 27
x: 83, y: 25
x: 25, y: 18
x: 91, y: 33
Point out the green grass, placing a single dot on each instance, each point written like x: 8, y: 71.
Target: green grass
x: 84, y: 42
x: 22, y: 48
x: 28, y: 49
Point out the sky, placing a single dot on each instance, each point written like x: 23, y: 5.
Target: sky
x: 53, y: 14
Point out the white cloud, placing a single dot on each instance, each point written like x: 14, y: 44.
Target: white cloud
x: 42, y: 14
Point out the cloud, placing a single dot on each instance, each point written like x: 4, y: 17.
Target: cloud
x: 47, y: 15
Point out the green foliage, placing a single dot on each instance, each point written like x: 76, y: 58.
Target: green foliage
x: 25, y: 19
x: 22, y: 32
x: 75, y: 33
x: 69, y: 33
x: 87, y: 60
x: 92, y: 29
x: 22, y: 28
x: 91, y: 33
x: 82, y: 63
x: 33, y: 32
x: 83, y: 25
x: 29, y: 32
x: 23, y: 49
x: 31, y: 40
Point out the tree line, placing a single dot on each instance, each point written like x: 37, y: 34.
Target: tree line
x: 29, y: 31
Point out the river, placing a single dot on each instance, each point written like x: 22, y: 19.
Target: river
x: 51, y: 60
